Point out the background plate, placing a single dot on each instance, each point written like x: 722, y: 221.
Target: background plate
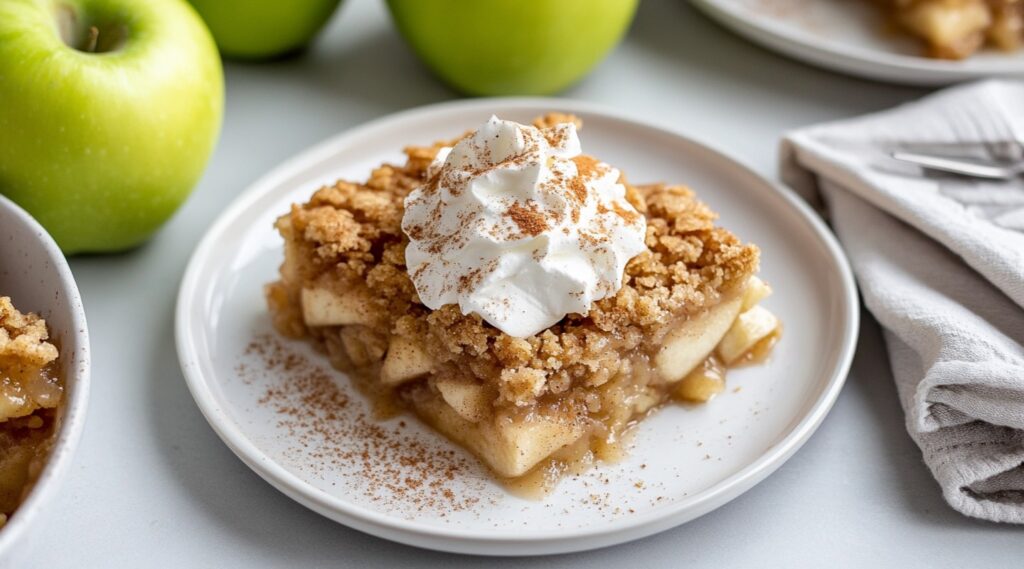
x: 850, y: 36
x: 398, y: 481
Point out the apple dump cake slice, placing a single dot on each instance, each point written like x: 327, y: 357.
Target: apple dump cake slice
x: 30, y: 393
x: 955, y: 29
x: 518, y: 295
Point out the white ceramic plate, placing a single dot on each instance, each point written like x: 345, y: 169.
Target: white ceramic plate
x: 35, y: 275
x: 684, y: 461
x: 849, y: 36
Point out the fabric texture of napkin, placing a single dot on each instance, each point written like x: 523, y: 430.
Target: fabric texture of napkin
x: 940, y: 263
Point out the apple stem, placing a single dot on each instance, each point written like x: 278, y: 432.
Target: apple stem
x: 94, y: 38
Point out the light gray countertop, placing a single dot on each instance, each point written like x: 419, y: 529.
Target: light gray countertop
x: 153, y: 486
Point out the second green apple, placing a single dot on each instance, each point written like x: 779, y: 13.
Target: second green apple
x: 262, y: 29
x: 512, y: 47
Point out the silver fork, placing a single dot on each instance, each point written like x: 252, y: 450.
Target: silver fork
x: 962, y: 166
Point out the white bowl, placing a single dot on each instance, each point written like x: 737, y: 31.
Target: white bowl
x: 34, y: 273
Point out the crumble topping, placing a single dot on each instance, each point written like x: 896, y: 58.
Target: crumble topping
x: 351, y: 233
x: 23, y: 338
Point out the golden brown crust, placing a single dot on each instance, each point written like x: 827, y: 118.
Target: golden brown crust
x: 23, y: 337
x: 350, y: 233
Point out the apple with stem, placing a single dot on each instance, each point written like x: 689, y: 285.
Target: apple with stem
x: 109, y: 111
x: 512, y: 47
x: 262, y: 29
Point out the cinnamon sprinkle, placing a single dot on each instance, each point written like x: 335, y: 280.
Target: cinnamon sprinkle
x: 333, y: 436
x: 555, y: 136
x: 578, y: 191
x: 470, y: 280
x: 528, y: 219
x: 630, y: 217
x: 587, y: 166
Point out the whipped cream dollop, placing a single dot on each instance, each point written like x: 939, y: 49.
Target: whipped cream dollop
x: 515, y: 224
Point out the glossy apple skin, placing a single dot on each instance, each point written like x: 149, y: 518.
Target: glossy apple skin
x: 512, y: 47
x: 264, y: 29
x: 103, y: 147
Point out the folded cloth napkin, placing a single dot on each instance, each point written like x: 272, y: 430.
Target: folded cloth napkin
x: 940, y: 262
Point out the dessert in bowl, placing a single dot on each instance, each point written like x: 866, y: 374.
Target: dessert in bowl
x: 44, y: 372
x: 31, y: 395
x: 520, y: 296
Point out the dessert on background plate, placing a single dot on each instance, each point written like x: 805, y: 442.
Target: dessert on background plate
x: 31, y: 392
x: 955, y: 29
x: 910, y: 42
x: 520, y: 296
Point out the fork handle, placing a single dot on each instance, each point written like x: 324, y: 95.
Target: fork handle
x: 958, y: 166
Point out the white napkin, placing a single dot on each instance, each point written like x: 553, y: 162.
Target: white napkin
x: 940, y: 263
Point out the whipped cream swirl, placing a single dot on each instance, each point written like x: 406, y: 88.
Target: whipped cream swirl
x: 516, y: 225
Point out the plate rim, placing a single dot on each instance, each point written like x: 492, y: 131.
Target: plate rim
x: 472, y: 541
x: 851, y: 58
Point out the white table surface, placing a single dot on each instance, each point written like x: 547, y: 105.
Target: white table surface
x: 153, y: 486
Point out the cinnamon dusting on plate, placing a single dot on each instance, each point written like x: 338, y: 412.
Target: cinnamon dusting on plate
x: 332, y: 435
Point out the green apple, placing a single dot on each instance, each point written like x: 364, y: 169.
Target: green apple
x: 261, y: 29
x: 109, y: 110
x: 512, y: 47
